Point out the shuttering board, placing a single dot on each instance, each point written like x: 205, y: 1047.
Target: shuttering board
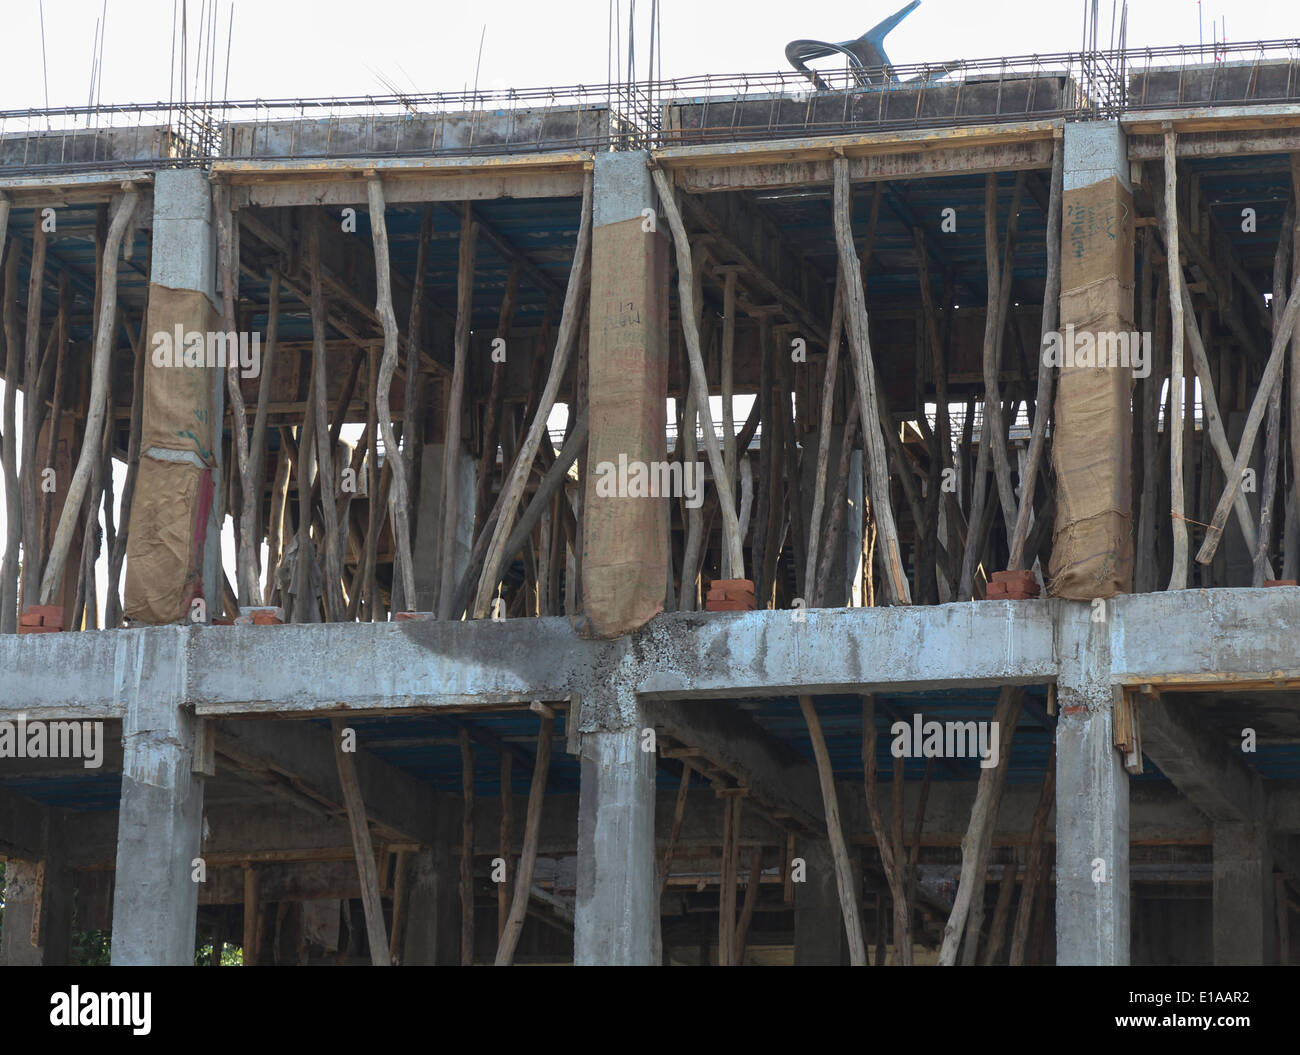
x: 625, y: 539
x: 1092, y: 554
x: 173, y: 491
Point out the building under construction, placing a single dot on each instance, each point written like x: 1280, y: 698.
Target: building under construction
x: 733, y: 520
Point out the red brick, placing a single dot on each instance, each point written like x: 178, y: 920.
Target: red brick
x: 414, y: 617
x: 40, y: 630
x: 729, y: 606
x: 260, y: 615
x: 1279, y: 582
x: 43, y: 615
x: 1025, y: 577
x: 733, y: 588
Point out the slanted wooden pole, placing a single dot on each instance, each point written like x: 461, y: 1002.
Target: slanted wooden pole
x: 388, y: 319
x: 257, y: 450
x: 1043, y: 399
x: 1000, y: 277
x: 362, y: 847
x: 246, y: 548
x: 835, y: 833
x: 1001, y: 911
x: 32, y: 406
x: 918, y: 826
x: 727, y: 880
x: 855, y: 313
x: 532, y: 832
x: 455, y: 403
x: 90, y: 453
x: 495, y: 401
x: 838, y: 505
x: 674, y: 832
x: 377, y: 481
x: 412, y: 420
x: 1174, y: 424
x: 979, y: 832
x: 1151, y: 308
x: 401, y: 895
x: 113, y: 605
x: 1271, y: 377
x: 333, y: 586
x: 887, y: 843
x: 13, y: 493
x: 1272, y: 438
x: 686, y: 304
x: 1293, y: 416
x: 513, y: 490
x: 551, y: 485
x: 728, y: 370
x: 755, y: 877
x: 1213, y: 419
x: 824, y: 439
x: 1035, y: 863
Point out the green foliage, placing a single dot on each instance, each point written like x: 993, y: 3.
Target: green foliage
x: 231, y: 955
x: 91, y: 948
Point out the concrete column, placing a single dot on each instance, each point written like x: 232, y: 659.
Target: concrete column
x: 625, y: 536
x: 1092, y: 446
x: 819, y: 937
x: 1244, y: 920
x: 180, y: 466
x: 43, y: 885
x: 20, y: 897
x: 155, y: 898
x: 617, y: 913
x: 1092, y: 837
x: 428, y: 526
x: 433, y: 912
x: 844, y: 584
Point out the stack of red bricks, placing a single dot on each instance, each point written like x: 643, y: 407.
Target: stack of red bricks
x: 730, y: 595
x: 1012, y: 586
x: 260, y: 615
x: 41, y: 619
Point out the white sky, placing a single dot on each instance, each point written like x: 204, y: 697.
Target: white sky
x: 290, y: 48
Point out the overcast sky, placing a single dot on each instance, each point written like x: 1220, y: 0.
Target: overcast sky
x: 283, y: 48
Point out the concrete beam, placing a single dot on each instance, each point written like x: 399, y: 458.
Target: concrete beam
x: 1216, y: 782
x: 1241, y: 637
x: 907, y: 154
x: 303, y: 754
x: 1216, y: 144
x: 1206, y: 637
x: 342, y: 182
x: 777, y: 776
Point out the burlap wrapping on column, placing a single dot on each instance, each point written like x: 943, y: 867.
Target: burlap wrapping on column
x: 1092, y: 552
x: 625, y: 539
x: 169, y: 512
